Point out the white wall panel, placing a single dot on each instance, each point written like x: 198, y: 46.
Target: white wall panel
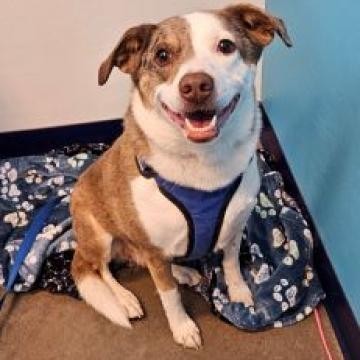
x: 51, y: 50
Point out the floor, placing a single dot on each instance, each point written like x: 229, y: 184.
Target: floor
x: 43, y: 326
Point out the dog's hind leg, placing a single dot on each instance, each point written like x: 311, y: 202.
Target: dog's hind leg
x: 92, y: 277
x: 93, y: 289
x: 125, y: 297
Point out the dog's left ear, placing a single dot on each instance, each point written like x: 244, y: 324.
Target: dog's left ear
x: 259, y: 26
x: 128, y: 52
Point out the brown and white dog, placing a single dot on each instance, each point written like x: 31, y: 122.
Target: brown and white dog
x: 194, y: 118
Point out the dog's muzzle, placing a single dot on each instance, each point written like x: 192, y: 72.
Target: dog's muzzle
x: 202, y: 125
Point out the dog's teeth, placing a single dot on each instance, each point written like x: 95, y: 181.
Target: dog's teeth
x: 188, y: 124
x: 213, y: 121
x: 200, y: 129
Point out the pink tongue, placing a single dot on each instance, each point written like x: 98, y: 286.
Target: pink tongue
x: 197, y: 134
x: 200, y: 123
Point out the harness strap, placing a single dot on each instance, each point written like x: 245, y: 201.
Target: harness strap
x: 144, y: 169
x: 35, y: 227
x: 192, y: 250
x: 182, y: 198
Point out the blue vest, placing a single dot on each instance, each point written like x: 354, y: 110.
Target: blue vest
x: 203, y: 210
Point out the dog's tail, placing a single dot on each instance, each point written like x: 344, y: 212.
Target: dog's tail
x: 95, y: 291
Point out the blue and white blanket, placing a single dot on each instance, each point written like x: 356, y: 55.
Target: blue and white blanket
x: 276, y: 254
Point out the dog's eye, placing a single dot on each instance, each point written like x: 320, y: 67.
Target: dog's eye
x: 163, y: 57
x: 226, y: 46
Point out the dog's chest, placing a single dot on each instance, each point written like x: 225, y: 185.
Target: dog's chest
x: 166, y: 225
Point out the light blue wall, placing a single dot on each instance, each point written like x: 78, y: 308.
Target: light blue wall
x: 312, y: 95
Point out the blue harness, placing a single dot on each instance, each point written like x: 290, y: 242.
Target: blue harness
x: 203, y: 210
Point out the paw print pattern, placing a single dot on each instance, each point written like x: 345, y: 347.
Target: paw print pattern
x: 308, y: 310
x: 219, y: 298
x: 290, y: 246
x: 51, y: 164
x: 255, y: 251
x: 49, y: 232
x: 309, y: 275
x: 11, y: 247
x: 67, y: 245
x: 16, y: 219
x: 262, y: 275
x: 4, y: 170
x: 56, y: 181
x: 264, y: 206
x: 290, y: 201
x: 33, y: 177
x: 65, y: 194
x: 278, y: 238
x: 40, y: 196
x: 291, y: 293
x: 78, y: 160
x: 283, y: 197
x: 264, y: 201
x: 10, y: 191
x: 288, y: 260
x: 277, y: 296
x: 285, y: 295
x: 8, y: 176
x: 272, y: 212
x: 25, y: 205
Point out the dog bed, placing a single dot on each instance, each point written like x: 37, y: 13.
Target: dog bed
x: 276, y: 252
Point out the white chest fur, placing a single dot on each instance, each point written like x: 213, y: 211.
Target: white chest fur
x: 166, y: 226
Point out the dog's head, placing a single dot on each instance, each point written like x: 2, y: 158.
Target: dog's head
x: 194, y: 70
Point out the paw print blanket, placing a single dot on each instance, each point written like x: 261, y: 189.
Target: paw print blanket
x: 276, y: 253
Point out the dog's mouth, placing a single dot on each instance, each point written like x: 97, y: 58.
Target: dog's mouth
x: 202, y: 125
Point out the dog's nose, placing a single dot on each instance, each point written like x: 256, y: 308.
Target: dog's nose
x: 196, y: 87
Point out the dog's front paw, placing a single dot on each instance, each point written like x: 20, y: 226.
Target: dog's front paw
x: 241, y: 294
x: 187, y: 333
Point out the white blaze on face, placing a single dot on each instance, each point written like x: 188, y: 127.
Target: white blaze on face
x: 231, y: 76
x: 229, y: 72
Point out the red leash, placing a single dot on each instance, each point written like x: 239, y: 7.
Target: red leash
x: 322, y: 334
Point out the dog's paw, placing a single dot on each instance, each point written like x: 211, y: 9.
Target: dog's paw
x: 185, y: 275
x: 187, y: 334
x: 130, y: 304
x: 241, y: 294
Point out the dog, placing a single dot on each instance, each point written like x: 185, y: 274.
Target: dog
x: 182, y: 180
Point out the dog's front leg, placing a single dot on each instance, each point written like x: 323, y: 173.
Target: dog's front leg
x: 237, y: 288
x: 185, y: 331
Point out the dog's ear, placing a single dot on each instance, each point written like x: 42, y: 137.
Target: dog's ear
x: 128, y: 52
x: 259, y: 26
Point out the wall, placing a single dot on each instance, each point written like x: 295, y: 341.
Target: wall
x: 311, y: 95
x: 51, y: 50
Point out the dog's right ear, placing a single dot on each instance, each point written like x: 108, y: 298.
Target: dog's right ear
x: 128, y: 52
